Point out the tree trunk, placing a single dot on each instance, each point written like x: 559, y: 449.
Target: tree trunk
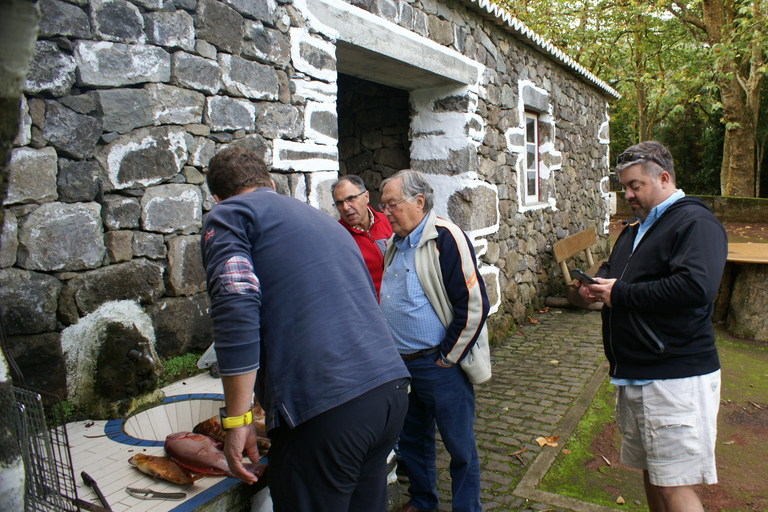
x: 18, y: 30
x: 737, y: 173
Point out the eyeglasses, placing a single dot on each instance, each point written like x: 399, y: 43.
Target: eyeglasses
x: 626, y: 158
x: 392, y: 206
x: 347, y: 199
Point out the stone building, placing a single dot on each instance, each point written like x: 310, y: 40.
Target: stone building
x: 126, y: 102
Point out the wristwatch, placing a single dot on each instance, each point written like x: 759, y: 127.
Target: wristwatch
x: 445, y: 361
x: 229, y: 422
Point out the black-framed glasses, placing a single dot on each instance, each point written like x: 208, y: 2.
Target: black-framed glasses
x: 628, y: 157
x: 392, y: 206
x: 347, y: 199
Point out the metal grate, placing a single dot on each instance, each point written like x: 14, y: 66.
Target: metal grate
x: 40, y: 430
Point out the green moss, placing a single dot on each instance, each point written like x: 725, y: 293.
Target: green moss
x: 179, y: 367
x: 569, y: 475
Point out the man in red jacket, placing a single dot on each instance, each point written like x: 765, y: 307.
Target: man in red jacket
x: 370, y: 229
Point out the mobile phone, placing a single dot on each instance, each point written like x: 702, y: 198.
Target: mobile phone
x: 582, y: 277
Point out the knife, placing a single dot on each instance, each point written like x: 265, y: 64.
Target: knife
x: 149, y: 494
x: 90, y: 482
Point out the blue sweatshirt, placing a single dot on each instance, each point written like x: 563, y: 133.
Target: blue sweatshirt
x: 291, y: 296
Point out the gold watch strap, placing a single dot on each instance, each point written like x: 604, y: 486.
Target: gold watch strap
x: 228, y: 422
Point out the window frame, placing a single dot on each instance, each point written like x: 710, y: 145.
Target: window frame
x: 535, y: 197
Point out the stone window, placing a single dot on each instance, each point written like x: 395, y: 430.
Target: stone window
x: 531, y: 179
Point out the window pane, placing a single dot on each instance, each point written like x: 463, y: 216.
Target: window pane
x: 531, y: 183
x: 531, y: 160
x: 530, y: 129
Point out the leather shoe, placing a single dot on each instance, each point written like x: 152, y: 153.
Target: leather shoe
x: 410, y: 508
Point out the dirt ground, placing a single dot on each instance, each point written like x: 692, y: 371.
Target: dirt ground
x: 742, y: 443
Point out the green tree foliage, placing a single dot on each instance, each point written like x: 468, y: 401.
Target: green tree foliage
x: 668, y: 73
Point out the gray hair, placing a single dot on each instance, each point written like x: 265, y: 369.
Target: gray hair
x: 652, y: 157
x: 412, y: 183
x: 353, y: 179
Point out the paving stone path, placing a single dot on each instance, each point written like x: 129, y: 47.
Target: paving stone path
x: 544, y: 378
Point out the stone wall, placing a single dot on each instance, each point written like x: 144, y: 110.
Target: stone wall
x: 126, y: 102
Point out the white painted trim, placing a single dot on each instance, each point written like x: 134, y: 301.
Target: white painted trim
x: 301, y: 36
x: 342, y: 21
x: 328, y: 159
x: 313, y: 135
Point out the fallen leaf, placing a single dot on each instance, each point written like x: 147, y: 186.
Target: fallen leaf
x: 620, y: 500
x: 521, y: 334
x: 532, y: 320
x: 729, y: 442
x: 89, y: 424
x: 566, y: 452
x: 518, y: 452
x: 605, y: 459
x: 549, y: 441
x: 545, y: 310
x: 555, y: 361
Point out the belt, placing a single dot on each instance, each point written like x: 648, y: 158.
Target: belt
x: 419, y: 354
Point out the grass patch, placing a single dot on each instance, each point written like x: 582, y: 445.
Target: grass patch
x: 741, y: 450
x: 571, y: 476
x: 179, y: 367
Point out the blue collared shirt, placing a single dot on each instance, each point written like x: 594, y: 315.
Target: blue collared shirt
x: 411, y: 318
x: 654, y: 214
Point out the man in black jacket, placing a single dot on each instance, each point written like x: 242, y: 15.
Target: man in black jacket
x: 658, y: 287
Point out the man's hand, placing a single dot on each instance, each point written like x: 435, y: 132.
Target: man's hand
x: 600, y: 292
x: 239, y: 439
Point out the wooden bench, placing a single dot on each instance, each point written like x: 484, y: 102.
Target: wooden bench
x: 569, y: 247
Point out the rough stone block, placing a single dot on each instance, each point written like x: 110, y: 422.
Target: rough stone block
x: 77, y: 180
x: 196, y: 73
x: 473, y: 208
x: 103, y: 64
x: 24, y: 133
x: 170, y: 29
x: 149, y: 245
x: 182, y: 324
x: 185, y: 274
x: 223, y: 113
x: 220, y: 25
x: 312, y: 55
x: 28, y: 301
x: 143, y: 157
x: 9, y: 240
x: 119, y: 245
x: 250, y: 79
x: 292, y: 185
x: 192, y: 175
x: 51, y: 71
x: 278, y: 121
x: 173, y: 105
x: 32, y: 176
x: 117, y: 20
x: 535, y: 99
x: 120, y: 212
x: 171, y: 209
x: 71, y: 133
x: 139, y: 280
x: 63, y: 19
x: 59, y: 236
x: 304, y: 157
x: 124, y: 109
x: 40, y: 361
x: 267, y: 45
x: 321, y: 124
x: 80, y: 103
x: 258, y: 145
x: 112, y: 366
x: 201, y: 150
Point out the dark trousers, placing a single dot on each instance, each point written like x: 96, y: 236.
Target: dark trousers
x: 337, y: 461
x: 442, y: 397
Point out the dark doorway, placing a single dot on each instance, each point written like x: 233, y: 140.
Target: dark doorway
x: 373, y: 131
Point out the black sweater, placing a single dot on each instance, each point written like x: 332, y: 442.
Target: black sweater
x: 659, y: 324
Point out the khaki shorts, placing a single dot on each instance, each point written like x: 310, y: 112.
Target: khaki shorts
x: 669, y: 427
